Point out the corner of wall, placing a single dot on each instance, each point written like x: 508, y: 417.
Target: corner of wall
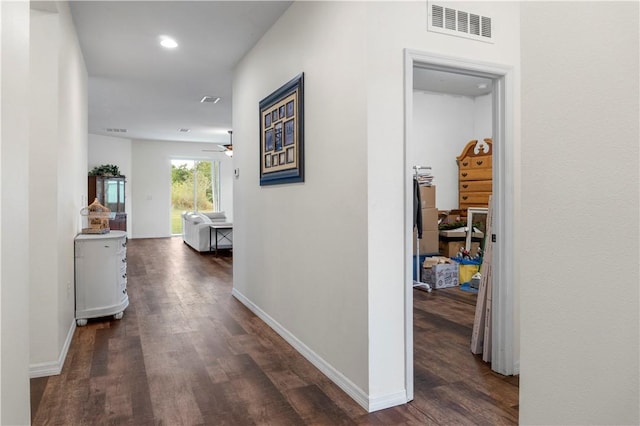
x: 53, y: 368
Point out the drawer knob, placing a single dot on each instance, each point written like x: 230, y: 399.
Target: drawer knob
x: 465, y: 164
x: 465, y: 186
x: 124, y: 260
x: 464, y: 197
x: 464, y: 175
x: 479, y: 162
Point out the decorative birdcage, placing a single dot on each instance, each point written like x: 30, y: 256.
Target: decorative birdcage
x: 97, y: 218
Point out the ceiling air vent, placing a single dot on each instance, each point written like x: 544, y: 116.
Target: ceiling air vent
x: 211, y: 99
x: 116, y: 130
x: 460, y: 23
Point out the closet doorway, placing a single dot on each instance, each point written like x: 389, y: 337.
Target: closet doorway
x: 498, y: 125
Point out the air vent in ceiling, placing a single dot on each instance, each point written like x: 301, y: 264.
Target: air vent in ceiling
x: 447, y: 20
x: 183, y: 130
x: 116, y: 130
x: 213, y: 99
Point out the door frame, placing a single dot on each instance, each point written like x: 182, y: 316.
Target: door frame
x: 502, y: 314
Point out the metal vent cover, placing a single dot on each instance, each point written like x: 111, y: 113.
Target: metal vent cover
x: 446, y: 20
x: 111, y: 130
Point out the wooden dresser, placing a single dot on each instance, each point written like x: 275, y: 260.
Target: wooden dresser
x: 475, y: 174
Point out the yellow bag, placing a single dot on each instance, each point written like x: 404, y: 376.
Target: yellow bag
x: 465, y: 272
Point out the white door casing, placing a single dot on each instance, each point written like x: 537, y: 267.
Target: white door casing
x: 503, y: 339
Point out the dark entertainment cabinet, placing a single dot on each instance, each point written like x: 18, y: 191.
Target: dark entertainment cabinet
x: 109, y: 190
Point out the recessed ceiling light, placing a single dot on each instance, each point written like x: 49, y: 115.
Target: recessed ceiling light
x: 168, y: 42
x: 213, y: 99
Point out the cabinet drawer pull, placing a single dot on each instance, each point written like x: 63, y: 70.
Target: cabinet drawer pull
x: 464, y: 175
x: 479, y: 162
x: 465, y: 186
x: 124, y: 260
x: 465, y: 164
x: 464, y: 197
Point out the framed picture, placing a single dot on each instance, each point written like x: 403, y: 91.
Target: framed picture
x: 268, y: 141
x: 282, y: 134
x: 289, y: 132
x: 277, y: 132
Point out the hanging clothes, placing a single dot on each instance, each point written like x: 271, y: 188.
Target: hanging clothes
x: 417, y: 208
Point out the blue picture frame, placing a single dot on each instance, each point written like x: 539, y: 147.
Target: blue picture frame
x: 282, y: 126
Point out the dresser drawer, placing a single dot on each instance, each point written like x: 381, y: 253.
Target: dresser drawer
x: 476, y: 186
x: 474, y: 198
x: 466, y: 206
x: 475, y: 174
x: 481, y: 162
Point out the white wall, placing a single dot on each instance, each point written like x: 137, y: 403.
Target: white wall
x: 580, y: 209
x: 443, y: 124
x: 483, y: 117
x: 392, y: 27
x: 14, y: 221
x: 57, y: 182
x: 300, y: 249
x: 324, y: 261
x: 150, y: 183
x: 109, y: 150
x: 43, y: 183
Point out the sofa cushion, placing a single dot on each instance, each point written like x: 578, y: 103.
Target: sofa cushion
x: 215, y: 216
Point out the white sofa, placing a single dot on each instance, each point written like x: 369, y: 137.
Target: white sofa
x: 196, y: 230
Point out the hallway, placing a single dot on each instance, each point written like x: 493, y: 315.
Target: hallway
x: 188, y: 353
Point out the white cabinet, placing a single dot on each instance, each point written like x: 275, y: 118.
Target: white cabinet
x: 101, y: 275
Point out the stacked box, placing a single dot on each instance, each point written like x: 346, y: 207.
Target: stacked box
x: 429, y: 241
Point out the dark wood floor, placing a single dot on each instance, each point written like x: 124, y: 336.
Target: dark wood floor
x: 188, y: 353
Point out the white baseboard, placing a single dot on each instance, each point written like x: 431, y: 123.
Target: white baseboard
x: 358, y: 395
x: 53, y: 368
x: 387, y: 401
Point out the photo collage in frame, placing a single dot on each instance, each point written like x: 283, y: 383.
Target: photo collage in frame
x: 281, y: 135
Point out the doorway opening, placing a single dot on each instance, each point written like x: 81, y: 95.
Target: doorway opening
x: 501, y: 128
x: 195, y: 186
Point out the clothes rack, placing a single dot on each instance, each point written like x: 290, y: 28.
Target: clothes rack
x: 422, y: 177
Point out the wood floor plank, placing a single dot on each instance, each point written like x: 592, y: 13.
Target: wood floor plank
x: 315, y: 407
x: 188, y: 353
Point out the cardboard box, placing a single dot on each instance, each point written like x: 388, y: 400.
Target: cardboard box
x: 441, y: 275
x: 428, y: 243
x: 451, y: 216
x: 428, y: 197
x: 430, y: 219
x: 428, y: 262
x: 451, y: 248
x: 457, y: 234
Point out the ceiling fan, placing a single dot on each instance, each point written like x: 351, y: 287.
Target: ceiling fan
x: 226, y: 148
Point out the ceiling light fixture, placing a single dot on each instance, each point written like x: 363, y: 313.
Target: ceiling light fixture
x: 168, y: 42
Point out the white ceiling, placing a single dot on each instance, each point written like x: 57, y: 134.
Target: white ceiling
x: 152, y: 92
x: 447, y: 82
x: 137, y: 85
